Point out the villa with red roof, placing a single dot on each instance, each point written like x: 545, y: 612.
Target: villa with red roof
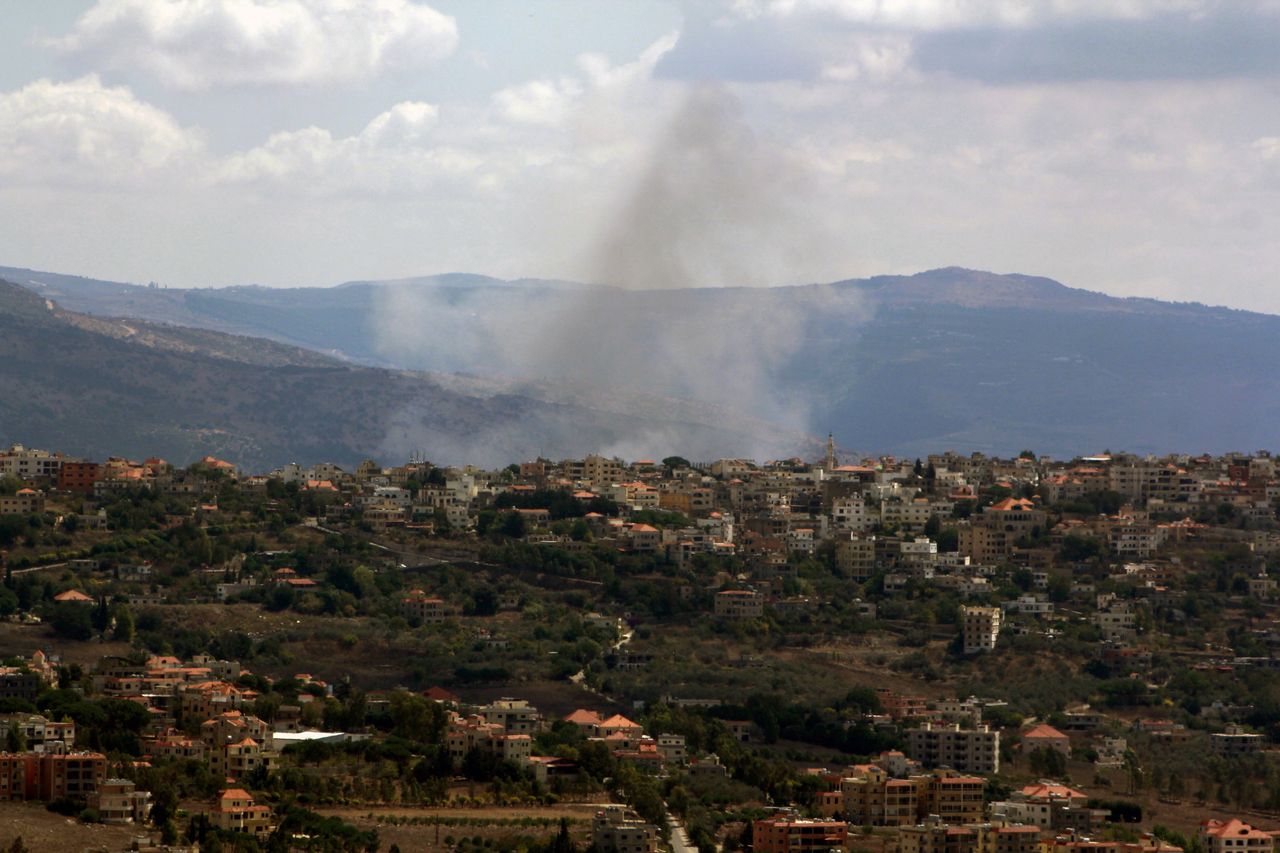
x: 1045, y: 735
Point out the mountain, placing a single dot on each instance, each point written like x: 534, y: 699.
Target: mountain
x: 949, y: 358
x: 95, y: 386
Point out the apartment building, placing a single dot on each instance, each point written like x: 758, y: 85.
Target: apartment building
x: 739, y: 604
x: 980, y: 628
x: 48, y: 776
x: 871, y: 797
x: 788, y: 834
x: 119, y: 801
x: 975, y: 750
x: 620, y: 830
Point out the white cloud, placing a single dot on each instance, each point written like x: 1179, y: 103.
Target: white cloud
x: 396, y: 152
x: 546, y: 102
x: 83, y: 132
x: 554, y: 102
x: 199, y: 44
x: 868, y: 56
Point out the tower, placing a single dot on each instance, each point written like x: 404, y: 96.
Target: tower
x: 831, y: 453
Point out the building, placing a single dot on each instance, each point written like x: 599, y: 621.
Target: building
x: 120, y: 801
x: 235, y: 811
x: 1235, y: 836
x: 514, y: 716
x: 937, y: 837
x: 39, y: 732
x: 79, y: 477
x: 974, y: 750
x: 1045, y: 735
x: 48, y: 776
x: 1236, y: 741
x: 979, y: 627
x: 739, y: 604
x: 416, y: 604
x: 788, y: 834
x: 22, y: 502
x: 620, y: 830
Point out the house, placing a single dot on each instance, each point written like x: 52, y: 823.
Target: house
x: 119, y: 801
x: 739, y: 604
x: 1235, y: 836
x: 73, y: 596
x: 789, y: 834
x: 1045, y: 735
x: 619, y: 829
x: 1235, y: 741
x: 416, y: 604
x: 235, y: 811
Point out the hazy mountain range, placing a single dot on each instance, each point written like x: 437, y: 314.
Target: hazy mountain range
x: 949, y: 358
x: 98, y: 386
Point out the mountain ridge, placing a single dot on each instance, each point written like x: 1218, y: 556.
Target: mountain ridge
x: 949, y: 358
x: 71, y: 383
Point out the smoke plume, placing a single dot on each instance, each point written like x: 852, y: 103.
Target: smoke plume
x: 680, y: 311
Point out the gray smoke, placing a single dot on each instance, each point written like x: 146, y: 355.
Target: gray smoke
x: 714, y: 214
x: 713, y: 208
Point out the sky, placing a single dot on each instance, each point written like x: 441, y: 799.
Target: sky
x: 1126, y: 146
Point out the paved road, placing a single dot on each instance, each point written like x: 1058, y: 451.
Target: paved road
x: 679, y: 840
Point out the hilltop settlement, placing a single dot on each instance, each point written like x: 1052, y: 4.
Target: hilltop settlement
x: 951, y: 654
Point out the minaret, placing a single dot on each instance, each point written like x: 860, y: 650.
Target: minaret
x: 831, y: 453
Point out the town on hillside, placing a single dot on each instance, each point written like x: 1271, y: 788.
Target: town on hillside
x: 951, y: 654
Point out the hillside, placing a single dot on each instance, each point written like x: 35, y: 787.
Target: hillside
x: 96, y: 387
x: 952, y: 357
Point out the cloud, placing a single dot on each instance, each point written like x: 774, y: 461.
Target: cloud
x: 397, y: 152
x: 84, y: 133
x: 544, y: 102
x: 201, y: 44
x: 1227, y: 44
x: 947, y: 14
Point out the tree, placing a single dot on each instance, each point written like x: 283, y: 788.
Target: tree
x: 72, y: 620
x: 15, y: 740
x: 101, y: 616
x: 124, y: 627
x: 512, y: 524
x: 1047, y: 761
x: 673, y: 462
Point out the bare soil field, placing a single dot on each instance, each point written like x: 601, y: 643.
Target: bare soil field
x: 46, y: 832
x: 490, y: 822
x: 16, y: 639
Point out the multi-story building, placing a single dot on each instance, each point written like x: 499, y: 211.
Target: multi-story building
x: 39, y: 732
x: 789, y: 834
x: 120, y: 801
x: 980, y: 628
x: 1235, y: 836
x: 856, y: 557
x: 416, y: 604
x: 617, y: 829
x: 974, y: 750
x: 739, y: 604
x: 235, y: 811
x: 992, y: 536
x: 79, y: 477
x: 48, y: 776
x: 515, y: 716
x: 1236, y: 741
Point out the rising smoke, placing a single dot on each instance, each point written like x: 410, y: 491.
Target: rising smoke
x: 714, y: 215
